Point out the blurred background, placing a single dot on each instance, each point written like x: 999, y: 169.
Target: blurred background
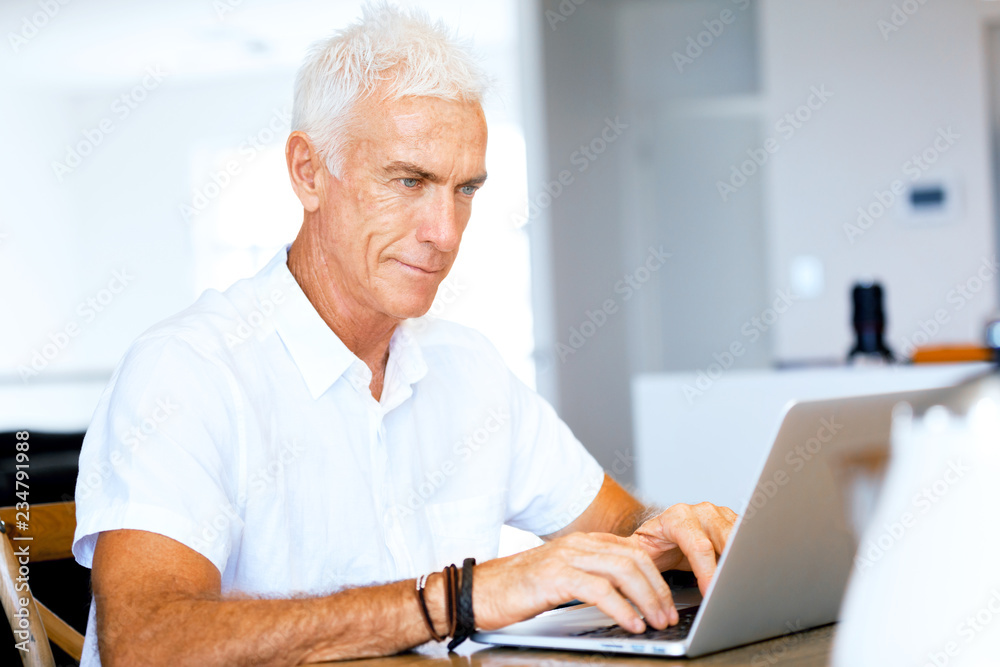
x: 682, y: 194
x: 676, y: 186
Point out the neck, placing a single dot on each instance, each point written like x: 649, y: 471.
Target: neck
x: 366, y: 334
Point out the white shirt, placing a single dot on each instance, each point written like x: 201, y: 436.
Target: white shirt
x: 244, y: 428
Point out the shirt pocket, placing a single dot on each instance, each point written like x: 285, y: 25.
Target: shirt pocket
x: 467, y: 528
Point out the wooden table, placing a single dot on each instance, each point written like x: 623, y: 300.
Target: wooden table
x: 805, y: 649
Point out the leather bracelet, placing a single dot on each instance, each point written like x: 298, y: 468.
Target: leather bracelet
x: 451, y: 597
x: 465, y: 621
x: 421, y: 584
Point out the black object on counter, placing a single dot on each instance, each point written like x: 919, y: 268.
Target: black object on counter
x: 869, y: 322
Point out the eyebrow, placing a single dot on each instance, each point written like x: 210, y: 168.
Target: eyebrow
x: 410, y: 169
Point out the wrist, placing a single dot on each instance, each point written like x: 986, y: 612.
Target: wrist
x: 487, y: 617
x: 462, y: 604
x: 445, y: 603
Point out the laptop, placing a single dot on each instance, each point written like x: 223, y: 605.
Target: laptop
x: 789, y: 556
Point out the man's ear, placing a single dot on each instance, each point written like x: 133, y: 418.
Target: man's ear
x: 306, y: 170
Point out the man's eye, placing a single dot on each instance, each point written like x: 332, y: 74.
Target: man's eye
x: 469, y: 190
x: 410, y: 182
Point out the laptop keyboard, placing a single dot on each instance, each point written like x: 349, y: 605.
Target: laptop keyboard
x: 672, y: 633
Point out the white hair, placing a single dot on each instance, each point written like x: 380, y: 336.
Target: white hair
x: 401, y: 53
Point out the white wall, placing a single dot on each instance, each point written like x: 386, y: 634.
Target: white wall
x: 890, y: 97
x: 117, y: 211
x: 721, y: 441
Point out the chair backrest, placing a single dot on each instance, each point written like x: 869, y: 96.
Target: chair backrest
x: 39, y: 533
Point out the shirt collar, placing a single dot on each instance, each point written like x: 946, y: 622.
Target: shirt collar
x: 404, y: 351
x: 319, y: 354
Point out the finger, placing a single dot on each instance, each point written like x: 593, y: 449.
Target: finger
x: 630, y: 548
x: 599, y: 592
x: 686, y: 530
x: 626, y: 576
x: 717, y: 522
x: 603, y: 545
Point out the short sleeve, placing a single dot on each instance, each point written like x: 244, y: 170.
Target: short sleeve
x: 163, y: 452
x: 553, y: 478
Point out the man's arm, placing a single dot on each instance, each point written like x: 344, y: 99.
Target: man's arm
x: 160, y: 603
x: 614, y: 511
x: 686, y: 537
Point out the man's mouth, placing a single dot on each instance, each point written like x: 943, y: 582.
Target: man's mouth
x: 419, y: 267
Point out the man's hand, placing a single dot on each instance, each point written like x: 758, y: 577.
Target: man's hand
x: 683, y: 537
x: 599, y: 568
x: 687, y: 537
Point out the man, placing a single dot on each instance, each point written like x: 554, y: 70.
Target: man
x: 265, y: 461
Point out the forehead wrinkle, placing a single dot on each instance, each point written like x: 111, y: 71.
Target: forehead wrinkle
x: 410, y: 137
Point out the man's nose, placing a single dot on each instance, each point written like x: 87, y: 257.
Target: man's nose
x: 441, y: 225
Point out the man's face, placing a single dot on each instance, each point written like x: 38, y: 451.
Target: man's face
x: 392, y: 223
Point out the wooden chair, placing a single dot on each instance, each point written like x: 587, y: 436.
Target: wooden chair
x: 48, y: 535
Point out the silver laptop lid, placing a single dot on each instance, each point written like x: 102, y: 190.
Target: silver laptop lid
x: 787, y: 562
x: 789, y: 557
